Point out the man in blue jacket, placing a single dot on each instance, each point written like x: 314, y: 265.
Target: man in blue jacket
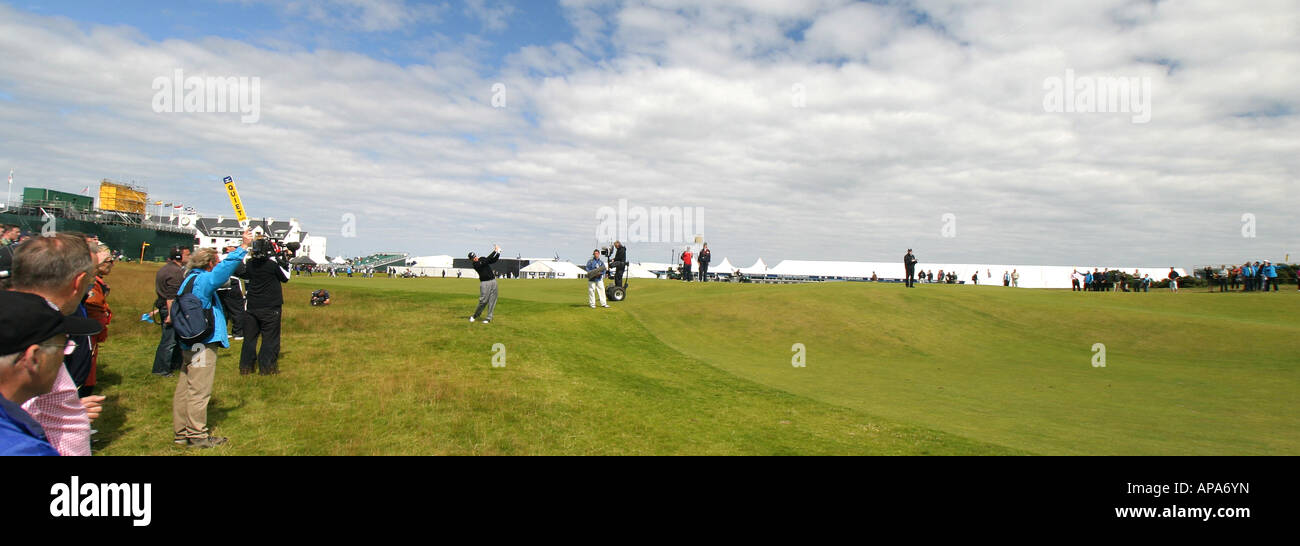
x: 199, y: 361
x: 1269, y: 273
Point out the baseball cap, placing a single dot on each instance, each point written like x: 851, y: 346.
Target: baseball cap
x: 29, y: 320
x: 472, y: 255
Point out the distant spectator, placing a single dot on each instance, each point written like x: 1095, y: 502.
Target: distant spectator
x: 1270, y: 276
x: 686, y: 265
x: 1173, y: 280
x: 1015, y: 278
x: 909, y: 266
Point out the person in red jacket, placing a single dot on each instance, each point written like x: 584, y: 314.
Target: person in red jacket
x: 96, y: 303
x: 686, y: 265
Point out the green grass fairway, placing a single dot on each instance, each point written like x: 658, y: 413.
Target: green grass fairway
x: 395, y: 368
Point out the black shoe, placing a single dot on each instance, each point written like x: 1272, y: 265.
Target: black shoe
x: 205, y: 443
x: 271, y: 372
x: 168, y: 374
x: 243, y: 371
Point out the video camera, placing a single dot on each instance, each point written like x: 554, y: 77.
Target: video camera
x: 264, y: 248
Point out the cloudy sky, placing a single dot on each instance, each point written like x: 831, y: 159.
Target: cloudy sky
x: 816, y: 129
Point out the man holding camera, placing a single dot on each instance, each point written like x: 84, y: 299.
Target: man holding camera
x: 265, y: 271
x: 620, y: 262
x: 595, y: 280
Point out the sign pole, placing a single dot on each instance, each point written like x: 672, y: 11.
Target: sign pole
x: 235, y: 202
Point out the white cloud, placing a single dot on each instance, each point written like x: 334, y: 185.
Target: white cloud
x: 669, y: 103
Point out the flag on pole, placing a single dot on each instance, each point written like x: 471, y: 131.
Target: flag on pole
x: 11, y: 177
x: 85, y: 190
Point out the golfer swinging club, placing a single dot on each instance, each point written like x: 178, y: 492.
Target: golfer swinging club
x: 487, y: 283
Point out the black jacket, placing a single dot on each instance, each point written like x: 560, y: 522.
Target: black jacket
x: 909, y: 260
x: 264, y: 279
x: 484, y: 266
x: 621, y: 254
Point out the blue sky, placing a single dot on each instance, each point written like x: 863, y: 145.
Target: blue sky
x: 817, y: 129
x: 536, y: 22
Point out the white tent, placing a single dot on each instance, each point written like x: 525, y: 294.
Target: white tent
x: 551, y: 269
x: 759, y: 268
x: 442, y: 261
x: 640, y: 271
x: 724, y: 268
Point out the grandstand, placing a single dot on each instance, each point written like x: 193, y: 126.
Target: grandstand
x: 381, y: 260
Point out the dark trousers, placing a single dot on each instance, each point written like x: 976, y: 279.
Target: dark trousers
x: 704, y: 271
x: 233, y: 304
x: 168, y: 355
x: 1074, y: 285
x: 911, y: 277
x: 618, y: 274
x: 264, y: 322
x: 686, y: 272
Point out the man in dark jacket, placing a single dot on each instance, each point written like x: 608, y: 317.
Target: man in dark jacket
x: 909, y: 264
x: 620, y: 262
x: 487, y: 284
x: 168, y: 279
x: 233, y: 300
x: 264, y: 275
x: 705, y: 256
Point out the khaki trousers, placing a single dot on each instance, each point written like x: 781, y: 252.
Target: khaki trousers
x: 193, y: 390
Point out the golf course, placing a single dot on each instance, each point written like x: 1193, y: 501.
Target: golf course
x: 393, y: 367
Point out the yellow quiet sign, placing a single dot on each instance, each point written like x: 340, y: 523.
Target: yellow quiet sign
x: 234, y: 200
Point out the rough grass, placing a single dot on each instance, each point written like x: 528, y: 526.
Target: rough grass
x: 394, y: 368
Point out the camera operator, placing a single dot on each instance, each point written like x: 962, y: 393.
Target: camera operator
x: 620, y: 263
x: 266, y: 270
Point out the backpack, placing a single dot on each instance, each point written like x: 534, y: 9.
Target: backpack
x: 193, y: 323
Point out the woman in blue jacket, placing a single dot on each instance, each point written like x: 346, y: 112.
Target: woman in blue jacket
x: 199, y: 365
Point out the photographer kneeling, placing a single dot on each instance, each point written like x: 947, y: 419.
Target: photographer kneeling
x: 265, y: 271
x: 320, y: 297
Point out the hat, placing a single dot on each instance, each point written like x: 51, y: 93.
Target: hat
x: 472, y: 255
x: 29, y: 320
